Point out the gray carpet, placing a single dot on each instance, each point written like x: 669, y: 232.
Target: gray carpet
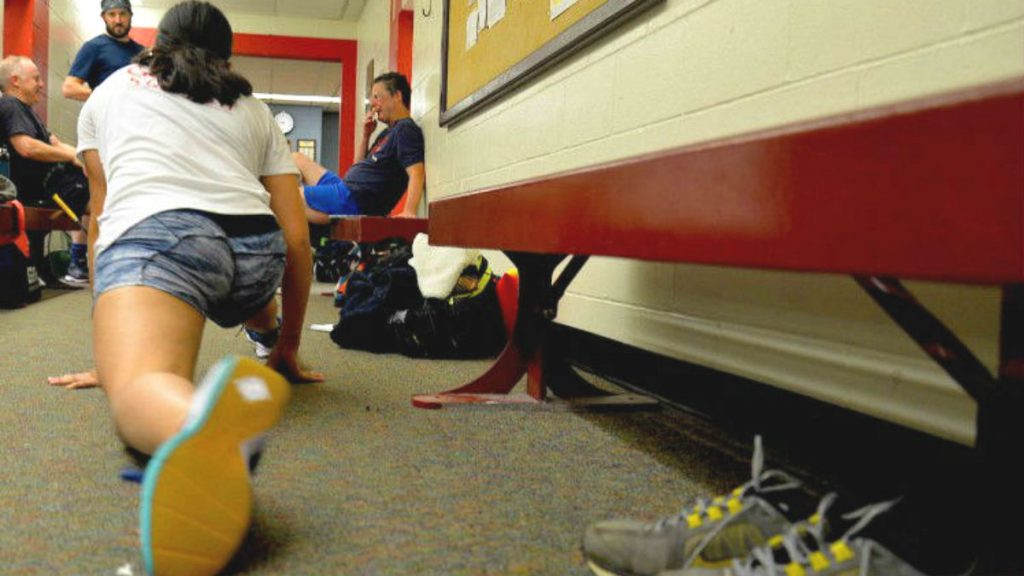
x: 355, y: 480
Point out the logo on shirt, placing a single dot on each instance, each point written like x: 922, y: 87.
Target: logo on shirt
x: 380, y: 144
x: 138, y: 76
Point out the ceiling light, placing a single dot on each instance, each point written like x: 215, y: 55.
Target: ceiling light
x: 298, y: 98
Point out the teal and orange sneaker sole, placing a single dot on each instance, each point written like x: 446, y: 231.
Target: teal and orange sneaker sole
x: 196, y: 498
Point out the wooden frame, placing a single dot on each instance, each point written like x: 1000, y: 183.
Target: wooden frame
x: 590, y: 27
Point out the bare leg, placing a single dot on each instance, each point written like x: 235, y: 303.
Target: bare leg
x: 311, y: 171
x: 266, y: 319
x: 145, y: 345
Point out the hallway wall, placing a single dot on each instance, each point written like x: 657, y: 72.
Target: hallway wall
x: 690, y: 71
x: 73, y: 22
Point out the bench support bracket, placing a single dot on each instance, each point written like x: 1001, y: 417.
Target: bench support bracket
x: 528, y: 351
x: 1000, y: 420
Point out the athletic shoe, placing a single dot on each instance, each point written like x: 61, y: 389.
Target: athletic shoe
x: 77, y: 275
x: 801, y: 557
x: 196, y: 497
x: 706, y: 534
x: 799, y: 540
x: 263, y: 342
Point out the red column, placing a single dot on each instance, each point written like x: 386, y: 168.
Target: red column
x: 27, y: 33
x: 405, y: 21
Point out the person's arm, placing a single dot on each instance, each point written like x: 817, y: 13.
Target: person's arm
x: 369, y: 125
x: 97, y: 193
x: 76, y: 89
x: 289, y: 208
x: 69, y: 149
x: 32, y: 149
x: 414, y: 191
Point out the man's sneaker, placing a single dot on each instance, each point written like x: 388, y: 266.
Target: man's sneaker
x: 801, y: 557
x: 263, y: 342
x: 706, y: 534
x: 798, y: 541
x: 77, y: 275
x: 196, y: 498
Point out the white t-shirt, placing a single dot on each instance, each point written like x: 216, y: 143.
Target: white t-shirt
x: 161, y: 151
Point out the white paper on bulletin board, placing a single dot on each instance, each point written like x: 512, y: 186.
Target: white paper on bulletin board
x: 495, y: 12
x: 472, y: 28
x: 560, y: 6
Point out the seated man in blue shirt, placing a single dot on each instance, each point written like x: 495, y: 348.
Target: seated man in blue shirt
x: 383, y: 173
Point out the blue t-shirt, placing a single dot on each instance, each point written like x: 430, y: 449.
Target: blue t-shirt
x: 378, y: 181
x: 101, y: 57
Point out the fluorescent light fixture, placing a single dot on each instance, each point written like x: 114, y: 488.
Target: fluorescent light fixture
x: 298, y: 98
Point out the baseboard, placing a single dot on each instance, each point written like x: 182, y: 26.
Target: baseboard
x: 908, y: 391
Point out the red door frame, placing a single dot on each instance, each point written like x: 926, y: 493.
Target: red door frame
x: 27, y: 33
x: 302, y: 48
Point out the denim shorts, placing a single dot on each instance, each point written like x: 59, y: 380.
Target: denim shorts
x: 189, y: 256
x: 331, y: 196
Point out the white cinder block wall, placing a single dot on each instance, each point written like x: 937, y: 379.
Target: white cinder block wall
x: 690, y: 71
x: 374, y: 44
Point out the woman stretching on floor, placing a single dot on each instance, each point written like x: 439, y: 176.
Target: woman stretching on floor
x: 197, y: 216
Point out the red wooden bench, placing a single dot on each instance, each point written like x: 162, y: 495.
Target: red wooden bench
x: 931, y: 189
x: 376, y: 228
x: 36, y: 219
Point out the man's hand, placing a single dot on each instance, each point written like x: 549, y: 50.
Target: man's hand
x: 406, y: 213
x: 369, y: 124
x: 76, y: 380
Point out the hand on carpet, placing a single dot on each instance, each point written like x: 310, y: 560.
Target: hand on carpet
x: 76, y: 380
x: 287, y: 364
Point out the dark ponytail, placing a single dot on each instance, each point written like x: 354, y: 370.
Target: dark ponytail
x: 193, y: 45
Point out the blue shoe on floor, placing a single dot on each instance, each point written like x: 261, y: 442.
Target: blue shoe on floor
x: 263, y: 342
x: 196, y: 498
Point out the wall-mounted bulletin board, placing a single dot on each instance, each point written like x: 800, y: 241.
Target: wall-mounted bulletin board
x: 491, y: 46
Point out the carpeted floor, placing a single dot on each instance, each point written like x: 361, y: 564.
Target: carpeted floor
x: 355, y: 480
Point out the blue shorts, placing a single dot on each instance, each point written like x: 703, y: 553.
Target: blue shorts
x: 331, y: 196
x: 189, y: 256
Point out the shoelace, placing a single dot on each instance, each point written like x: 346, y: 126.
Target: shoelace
x: 761, y: 482
x: 762, y: 560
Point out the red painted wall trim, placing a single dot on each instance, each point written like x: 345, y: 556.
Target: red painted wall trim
x: 302, y: 48
x: 928, y: 189
x: 27, y: 33
x: 405, y: 32
x: 18, y: 30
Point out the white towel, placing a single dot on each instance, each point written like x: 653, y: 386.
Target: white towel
x: 438, y: 267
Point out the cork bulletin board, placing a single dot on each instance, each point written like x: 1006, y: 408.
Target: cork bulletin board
x: 490, y: 47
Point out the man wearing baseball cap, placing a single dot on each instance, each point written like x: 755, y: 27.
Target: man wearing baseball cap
x: 97, y: 59
x: 104, y: 54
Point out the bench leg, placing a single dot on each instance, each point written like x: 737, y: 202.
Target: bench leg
x: 1000, y: 421
x: 528, y: 351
